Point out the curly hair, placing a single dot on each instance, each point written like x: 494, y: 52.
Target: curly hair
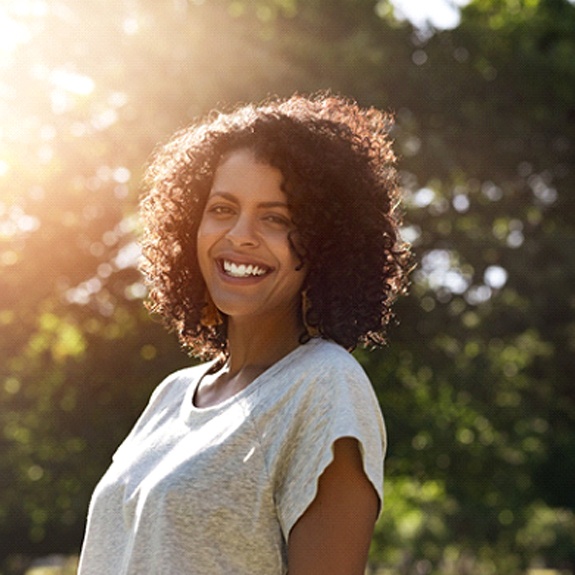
x: 341, y: 186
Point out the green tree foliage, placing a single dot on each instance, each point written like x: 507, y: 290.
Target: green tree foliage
x: 477, y: 381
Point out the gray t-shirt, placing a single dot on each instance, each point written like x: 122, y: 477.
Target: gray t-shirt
x: 216, y: 490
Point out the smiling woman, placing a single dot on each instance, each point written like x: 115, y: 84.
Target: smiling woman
x: 271, y: 246
x: 338, y: 177
x: 244, y: 252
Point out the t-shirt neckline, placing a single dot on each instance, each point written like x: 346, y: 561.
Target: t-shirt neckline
x: 189, y: 408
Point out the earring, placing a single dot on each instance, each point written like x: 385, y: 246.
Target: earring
x: 211, y: 316
x: 306, y: 305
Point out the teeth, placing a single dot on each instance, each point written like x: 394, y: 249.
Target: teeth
x: 242, y: 270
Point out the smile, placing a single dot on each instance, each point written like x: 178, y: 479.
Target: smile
x: 243, y: 270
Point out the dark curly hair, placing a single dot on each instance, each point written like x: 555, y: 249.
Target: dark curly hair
x: 341, y: 186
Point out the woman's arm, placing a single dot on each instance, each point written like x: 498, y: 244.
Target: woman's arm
x: 332, y: 537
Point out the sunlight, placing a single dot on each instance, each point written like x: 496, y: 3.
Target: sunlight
x: 12, y: 31
x: 440, y: 270
x: 442, y: 14
x: 72, y: 82
x: 495, y: 277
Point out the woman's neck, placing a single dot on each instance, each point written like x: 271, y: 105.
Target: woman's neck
x: 254, y: 346
x: 259, y: 344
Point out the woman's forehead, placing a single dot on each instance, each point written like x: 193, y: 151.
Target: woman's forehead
x: 241, y: 172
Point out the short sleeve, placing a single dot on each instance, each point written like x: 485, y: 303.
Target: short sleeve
x: 338, y: 402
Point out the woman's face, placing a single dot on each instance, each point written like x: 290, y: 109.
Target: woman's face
x: 244, y: 250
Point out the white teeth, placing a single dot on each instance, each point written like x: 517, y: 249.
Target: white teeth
x: 242, y: 270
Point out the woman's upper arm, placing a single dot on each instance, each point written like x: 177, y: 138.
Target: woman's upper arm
x: 333, y: 535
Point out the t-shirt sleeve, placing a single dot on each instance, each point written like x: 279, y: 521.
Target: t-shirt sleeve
x: 337, y: 403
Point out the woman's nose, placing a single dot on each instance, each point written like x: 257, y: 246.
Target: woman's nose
x: 243, y: 232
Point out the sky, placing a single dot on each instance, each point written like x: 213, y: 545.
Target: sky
x: 440, y: 13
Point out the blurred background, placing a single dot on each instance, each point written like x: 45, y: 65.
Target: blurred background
x: 477, y: 383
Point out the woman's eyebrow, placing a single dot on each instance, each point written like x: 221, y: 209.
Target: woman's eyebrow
x: 225, y: 195
x: 231, y: 198
x: 273, y: 205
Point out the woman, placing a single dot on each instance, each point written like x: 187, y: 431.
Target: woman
x: 271, y: 246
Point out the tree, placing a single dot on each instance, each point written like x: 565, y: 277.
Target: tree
x: 476, y: 382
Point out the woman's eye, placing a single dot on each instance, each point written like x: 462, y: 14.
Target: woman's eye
x: 278, y: 220
x: 220, y: 210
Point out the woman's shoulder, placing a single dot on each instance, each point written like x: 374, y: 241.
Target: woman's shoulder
x: 325, y: 357
x: 177, y: 382
x: 320, y: 372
